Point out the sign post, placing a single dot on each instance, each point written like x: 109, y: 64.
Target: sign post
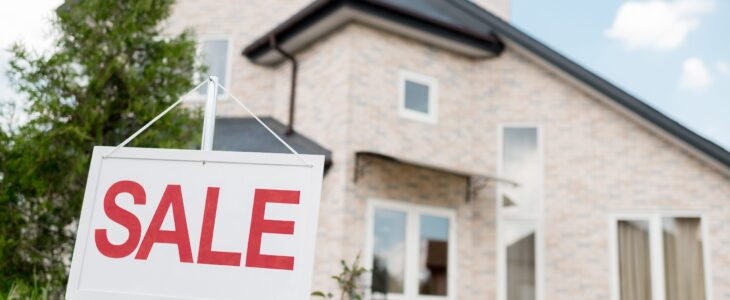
x: 209, y: 117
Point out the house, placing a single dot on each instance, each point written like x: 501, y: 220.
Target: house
x: 466, y: 159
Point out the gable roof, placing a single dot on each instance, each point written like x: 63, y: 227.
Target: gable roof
x: 462, y: 21
x: 246, y: 134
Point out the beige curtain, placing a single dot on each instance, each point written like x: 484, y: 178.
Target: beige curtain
x: 683, y: 262
x: 521, y: 269
x: 634, y: 260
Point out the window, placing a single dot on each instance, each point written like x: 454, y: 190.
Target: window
x: 214, y: 53
x: 519, y: 214
x: 659, y: 257
x: 418, y: 97
x: 389, y: 255
x: 411, y: 251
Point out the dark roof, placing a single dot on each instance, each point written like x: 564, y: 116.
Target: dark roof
x: 246, y: 134
x: 462, y: 16
x: 438, y: 11
x: 434, y: 17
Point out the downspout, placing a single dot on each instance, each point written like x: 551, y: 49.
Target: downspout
x: 293, y: 89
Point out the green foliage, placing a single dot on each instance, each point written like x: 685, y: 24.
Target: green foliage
x: 22, y: 291
x: 111, y: 71
x: 347, y: 281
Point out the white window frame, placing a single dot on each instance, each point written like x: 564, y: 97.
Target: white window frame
x: 410, y: 281
x: 656, y: 248
x: 433, y: 91
x: 537, y: 216
x: 195, y: 97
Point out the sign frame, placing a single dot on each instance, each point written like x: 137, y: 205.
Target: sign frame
x: 314, y: 165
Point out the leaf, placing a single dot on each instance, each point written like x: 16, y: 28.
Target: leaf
x: 318, y: 294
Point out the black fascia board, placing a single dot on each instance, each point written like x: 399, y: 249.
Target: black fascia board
x: 302, y: 20
x: 412, y: 19
x: 323, y: 8
x: 597, y: 83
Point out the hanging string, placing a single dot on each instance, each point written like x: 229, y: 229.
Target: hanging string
x: 264, y: 125
x: 164, y: 112
x: 169, y: 108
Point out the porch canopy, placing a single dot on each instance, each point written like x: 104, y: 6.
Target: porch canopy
x: 474, y: 181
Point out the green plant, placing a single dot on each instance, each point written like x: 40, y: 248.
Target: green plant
x: 347, y: 281
x: 111, y: 71
x: 21, y: 291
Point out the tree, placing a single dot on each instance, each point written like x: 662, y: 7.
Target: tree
x: 112, y: 70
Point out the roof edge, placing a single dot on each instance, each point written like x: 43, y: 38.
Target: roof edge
x: 597, y: 83
x: 282, y: 32
x: 321, y: 9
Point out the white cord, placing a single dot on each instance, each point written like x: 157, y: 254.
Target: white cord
x: 133, y: 136
x: 267, y: 127
x: 130, y: 138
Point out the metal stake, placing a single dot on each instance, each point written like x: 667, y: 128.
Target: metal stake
x: 209, y: 115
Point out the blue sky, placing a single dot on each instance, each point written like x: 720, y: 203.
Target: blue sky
x: 673, y: 54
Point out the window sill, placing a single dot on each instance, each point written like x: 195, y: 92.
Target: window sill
x: 417, y: 116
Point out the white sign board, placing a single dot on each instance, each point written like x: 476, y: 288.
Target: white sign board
x: 185, y: 224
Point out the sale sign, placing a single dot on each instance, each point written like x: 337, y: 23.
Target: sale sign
x: 185, y: 224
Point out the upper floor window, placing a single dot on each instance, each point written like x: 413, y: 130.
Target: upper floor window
x: 519, y: 214
x: 418, y: 97
x: 659, y: 257
x: 215, y: 56
x: 412, y: 251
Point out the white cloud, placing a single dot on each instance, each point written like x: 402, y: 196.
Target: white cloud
x: 657, y: 24
x: 695, y: 76
x: 723, y: 67
x: 26, y: 22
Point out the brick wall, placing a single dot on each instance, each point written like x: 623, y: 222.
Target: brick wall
x: 241, y: 22
x: 597, y: 161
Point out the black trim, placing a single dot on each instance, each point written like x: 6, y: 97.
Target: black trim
x: 490, y: 43
x: 324, y: 8
x: 624, y: 99
x: 293, y: 26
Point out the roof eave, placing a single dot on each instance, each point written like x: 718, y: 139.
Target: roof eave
x: 324, y: 16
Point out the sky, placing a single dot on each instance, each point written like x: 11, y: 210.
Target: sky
x: 26, y: 22
x: 672, y: 54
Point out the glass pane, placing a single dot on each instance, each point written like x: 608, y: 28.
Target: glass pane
x: 634, y: 260
x: 521, y: 163
x: 215, y: 56
x: 388, y: 251
x: 519, y: 237
x: 433, y: 256
x: 683, y: 261
x: 416, y: 95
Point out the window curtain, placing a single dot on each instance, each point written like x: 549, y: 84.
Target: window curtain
x: 521, y: 269
x: 634, y: 260
x: 683, y: 261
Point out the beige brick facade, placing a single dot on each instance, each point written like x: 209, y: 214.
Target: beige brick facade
x: 597, y: 161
